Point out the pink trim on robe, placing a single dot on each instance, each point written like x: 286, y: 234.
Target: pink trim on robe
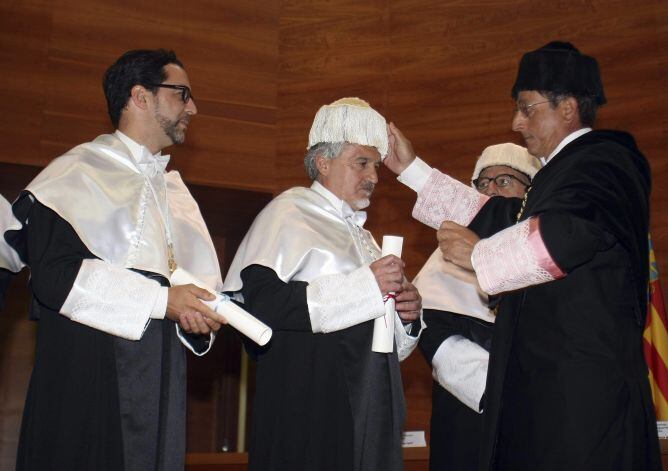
x: 537, y: 245
x: 513, y: 259
x: 444, y: 198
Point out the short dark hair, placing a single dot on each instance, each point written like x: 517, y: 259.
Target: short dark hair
x: 143, y: 67
x: 587, y: 105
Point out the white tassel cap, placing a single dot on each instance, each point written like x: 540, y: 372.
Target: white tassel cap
x: 508, y: 154
x: 350, y: 120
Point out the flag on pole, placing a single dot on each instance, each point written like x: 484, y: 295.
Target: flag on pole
x: 655, y: 340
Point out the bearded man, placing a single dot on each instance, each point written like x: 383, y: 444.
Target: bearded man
x: 101, y: 228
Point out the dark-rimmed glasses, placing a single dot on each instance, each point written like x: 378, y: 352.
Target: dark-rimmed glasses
x: 502, y: 180
x: 186, y: 94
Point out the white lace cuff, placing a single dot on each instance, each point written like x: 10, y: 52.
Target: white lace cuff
x: 160, y: 307
x: 112, y: 299
x: 415, y: 176
x: 460, y: 366
x: 514, y: 258
x: 336, y: 302
x: 406, y: 343
x: 444, y: 198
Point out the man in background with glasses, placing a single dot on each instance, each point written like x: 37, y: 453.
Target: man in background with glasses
x: 567, y: 386
x: 460, y: 322
x: 101, y: 228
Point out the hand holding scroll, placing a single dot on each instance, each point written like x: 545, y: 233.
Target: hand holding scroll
x: 185, y: 306
x: 408, y: 303
x: 389, y: 273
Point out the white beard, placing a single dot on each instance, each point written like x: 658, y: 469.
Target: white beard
x: 361, y: 204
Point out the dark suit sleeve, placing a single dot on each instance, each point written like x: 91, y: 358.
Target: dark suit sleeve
x: 444, y: 324
x: 55, y: 254
x: 280, y: 305
x: 438, y: 329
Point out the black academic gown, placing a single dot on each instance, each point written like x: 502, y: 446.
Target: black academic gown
x: 323, y: 402
x: 455, y: 428
x: 5, y: 280
x: 95, y: 401
x: 567, y: 386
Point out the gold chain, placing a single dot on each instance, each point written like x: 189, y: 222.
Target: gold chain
x: 524, y: 203
x: 171, y: 260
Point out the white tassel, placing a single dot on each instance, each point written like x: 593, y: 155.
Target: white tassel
x: 350, y: 120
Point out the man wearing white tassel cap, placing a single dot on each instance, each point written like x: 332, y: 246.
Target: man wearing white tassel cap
x: 309, y: 270
x: 460, y: 322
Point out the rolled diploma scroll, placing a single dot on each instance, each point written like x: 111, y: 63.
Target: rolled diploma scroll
x: 237, y: 317
x: 383, y: 327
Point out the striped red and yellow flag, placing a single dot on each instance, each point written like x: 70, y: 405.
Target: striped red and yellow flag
x: 656, y: 340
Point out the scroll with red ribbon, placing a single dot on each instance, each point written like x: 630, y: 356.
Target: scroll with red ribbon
x: 383, y: 327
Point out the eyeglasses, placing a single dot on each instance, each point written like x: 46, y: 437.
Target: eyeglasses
x: 524, y: 108
x: 502, y: 180
x: 186, y: 94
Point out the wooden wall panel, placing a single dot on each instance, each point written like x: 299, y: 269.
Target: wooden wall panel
x: 53, y: 97
x: 24, y: 79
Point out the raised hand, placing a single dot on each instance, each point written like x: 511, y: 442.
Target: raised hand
x: 400, y: 153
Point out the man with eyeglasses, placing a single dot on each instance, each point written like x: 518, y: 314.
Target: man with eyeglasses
x: 101, y: 228
x: 324, y: 400
x: 460, y: 322
x: 567, y: 386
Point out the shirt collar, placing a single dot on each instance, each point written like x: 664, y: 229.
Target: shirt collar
x: 567, y: 140
x: 148, y: 163
x: 345, y: 211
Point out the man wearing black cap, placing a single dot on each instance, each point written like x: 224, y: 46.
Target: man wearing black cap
x: 567, y: 386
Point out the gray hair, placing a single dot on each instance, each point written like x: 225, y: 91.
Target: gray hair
x: 328, y: 150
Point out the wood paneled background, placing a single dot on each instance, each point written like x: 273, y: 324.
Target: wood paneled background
x: 440, y: 69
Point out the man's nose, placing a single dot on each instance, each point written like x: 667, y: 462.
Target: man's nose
x: 492, y: 189
x: 191, y: 107
x: 373, y: 175
x: 518, y: 121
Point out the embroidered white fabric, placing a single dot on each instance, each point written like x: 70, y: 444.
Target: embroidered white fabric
x: 406, y: 343
x: 444, y: 198
x: 111, y: 299
x: 460, y: 366
x: 507, y: 261
x: 338, y: 301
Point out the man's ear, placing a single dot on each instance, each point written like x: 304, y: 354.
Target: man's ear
x: 139, y: 97
x: 569, y: 109
x: 322, y: 164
